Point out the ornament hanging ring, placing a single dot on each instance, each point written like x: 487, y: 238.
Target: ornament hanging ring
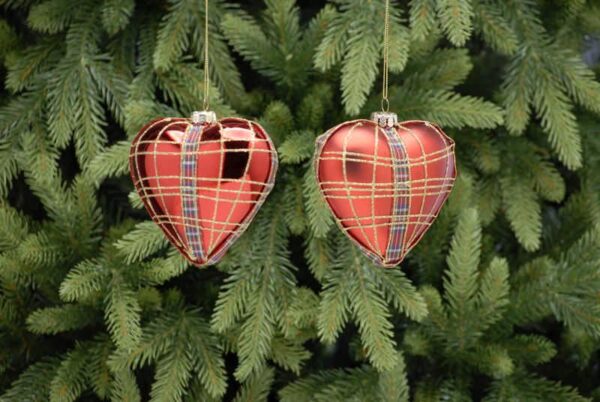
x: 206, y: 102
x: 385, y: 105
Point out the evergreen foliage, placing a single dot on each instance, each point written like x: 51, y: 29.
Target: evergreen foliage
x: 499, y: 301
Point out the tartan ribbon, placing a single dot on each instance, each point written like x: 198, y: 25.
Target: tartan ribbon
x: 189, y: 199
x: 401, y: 201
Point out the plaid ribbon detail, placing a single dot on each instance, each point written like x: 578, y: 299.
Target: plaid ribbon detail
x: 269, y: 183
x: 189, y: 199
x: 401, y: 201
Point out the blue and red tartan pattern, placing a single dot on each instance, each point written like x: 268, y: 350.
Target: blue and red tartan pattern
x: 401, y: 204
x: 189, y: 164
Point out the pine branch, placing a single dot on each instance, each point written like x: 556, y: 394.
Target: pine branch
x: 87, y: 278
x: 288, y: 354
x: 51, y: 16
x: 234, y: 299
x: 399, y: 43
x: 98, y: 371
x: 112, y: 85
x: 359, y: 67
x: 495, y: 28
x: 460, y: 282
x: 455, y: 19
x: 319, y: 217
x: 257, y: 331
x: 531, y: 349
x: 399, y: 291
x: 393, y: 384
x: 293, y: 200
x: 13, y: 227
x: 19, y: 112
x: 124, y: 387
x: 157, y: 337
x: 531, y: 388
x: 441, y: 70
x: 487, y: 155
x: 8, y: 39
x: 301, y: 316
x: 175, y: 84
x: 116, y: 14
x: 297, y: 147
x: 197, y: 392
x: 333, y: 310
x: 110, y: 163
x: 277, y: 120
x: 315, y: 106
x: 331, y: 49
x: 558, y: 120
x: 53, y: 320
x: 70, y: 379
x: 494, y: 360
x: 517, y: 92
x: 8, y: 167
x: 38, y: 157
x: 122, y: 314
x: 258, y: 387
x: 173, y: 36
x: 208, y: 361
x: 492, y: 296
x: 24, y: 69
x: 159, y: 270
x: 353, y: 288
x: 319, y: 254
x: 247, y: 38
x: 173, y: 372
x: 333, y: 386
x: 180, y: 343
x: 143, y: 241
x: 563, y: 288
x: 579, y: 81
x: 270, y: 280
x: 488, y: 201
x: 446, y: 108
x: 422, y: 18
x: 523, y: 211
x: 33, y: 382
x: 548, y: 181
x: 222, y: 65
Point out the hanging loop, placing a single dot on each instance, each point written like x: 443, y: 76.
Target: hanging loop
x: 385, y: 104
x: 206, y: 103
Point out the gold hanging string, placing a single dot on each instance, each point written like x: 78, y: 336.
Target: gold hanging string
x: 385, y: 104
x: 206, y: 72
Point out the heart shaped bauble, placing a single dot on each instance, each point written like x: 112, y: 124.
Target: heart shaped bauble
x: 385, y: 182
x: 201, y: 180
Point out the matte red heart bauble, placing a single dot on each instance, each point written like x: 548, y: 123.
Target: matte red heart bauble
x: 202, y: 181
x: 385, y: 182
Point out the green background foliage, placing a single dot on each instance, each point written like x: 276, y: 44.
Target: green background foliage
x: 499, y: 302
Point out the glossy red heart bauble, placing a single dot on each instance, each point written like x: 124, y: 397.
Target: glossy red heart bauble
x: 202, y: 183
x: 385, y: 186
